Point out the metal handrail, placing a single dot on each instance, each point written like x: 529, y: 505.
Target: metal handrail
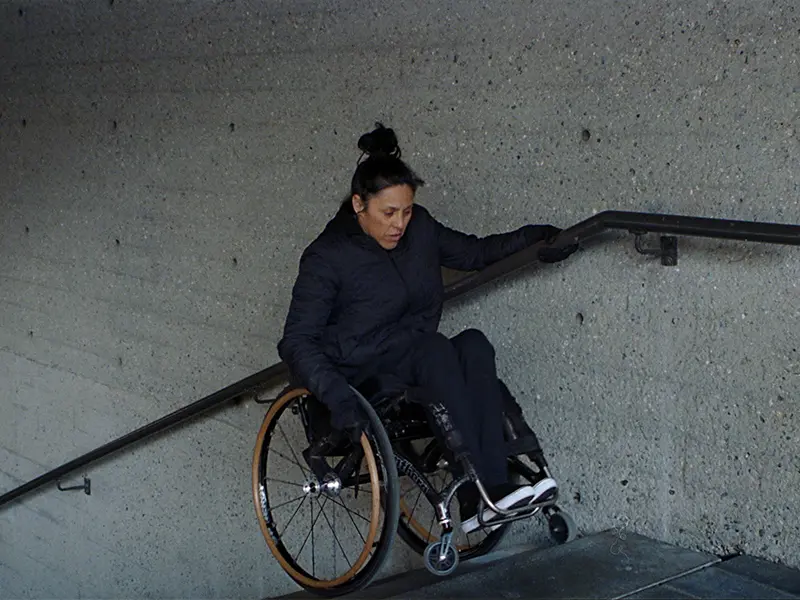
x: 637, y: 223
x: 634, y: 222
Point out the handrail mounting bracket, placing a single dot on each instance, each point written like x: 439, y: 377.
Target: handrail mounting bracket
x: 668, y: 249
x: 86, y: 486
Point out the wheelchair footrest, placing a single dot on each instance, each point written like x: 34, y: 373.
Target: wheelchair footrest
x: 546, y: 501
x: 527, y: 444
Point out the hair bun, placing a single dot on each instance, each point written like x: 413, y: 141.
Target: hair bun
x: 379, y: 142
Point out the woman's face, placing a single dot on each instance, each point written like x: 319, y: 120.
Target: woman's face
x: 386, y: 215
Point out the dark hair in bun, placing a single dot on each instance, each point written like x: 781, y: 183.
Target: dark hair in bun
x: 379, y: 142
x: 382, y: 168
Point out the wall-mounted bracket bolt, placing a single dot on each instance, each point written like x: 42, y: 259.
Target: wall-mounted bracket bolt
x: 668, y: 250
x: 86, y: 487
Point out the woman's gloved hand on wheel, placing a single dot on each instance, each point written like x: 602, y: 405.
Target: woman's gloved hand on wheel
x: 350, y: 421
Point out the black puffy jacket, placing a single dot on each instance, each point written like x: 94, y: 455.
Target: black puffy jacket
x: 354, y: 300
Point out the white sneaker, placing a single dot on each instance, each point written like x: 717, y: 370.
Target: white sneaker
x: 520, y: 497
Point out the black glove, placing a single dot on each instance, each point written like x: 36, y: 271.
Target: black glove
x: 350, y: 421
x: 538, y: 233
x: 548, y: 234
x: 554, y: 254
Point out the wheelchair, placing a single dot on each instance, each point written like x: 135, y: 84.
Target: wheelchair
x: 404, y: 444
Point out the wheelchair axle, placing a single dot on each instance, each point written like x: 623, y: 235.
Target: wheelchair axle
x: 312, y: 488
x: 331, y: 486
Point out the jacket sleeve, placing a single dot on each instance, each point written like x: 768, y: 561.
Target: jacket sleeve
x: 313, y: 299
x: 467, y: 252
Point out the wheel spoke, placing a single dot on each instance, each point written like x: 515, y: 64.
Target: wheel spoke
x: 351, y: 511
x: 297, y: 460
x: 334, y: 528
x: 271, y: 508
x: 296, y: 510
x: 313, y: 563
x: 411, y: 515
x: 430, y: 528
x: 309, y: 533
x: 290, y: 460
x: 350, y: 514
x: 410, y: 490
x: 282, y: 481
x: 336, y: 537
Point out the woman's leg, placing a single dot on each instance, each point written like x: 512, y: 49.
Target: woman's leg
x: 433, y: 364
x: 484, y: 395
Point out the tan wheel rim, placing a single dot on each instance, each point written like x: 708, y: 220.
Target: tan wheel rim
x: 372, y: 468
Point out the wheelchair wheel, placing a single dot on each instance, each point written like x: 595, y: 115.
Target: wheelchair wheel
x: 561, y: 525
x: 418, y: 526
x: 304, y: 521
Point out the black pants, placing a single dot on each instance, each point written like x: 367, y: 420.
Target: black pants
x: 460, y: 374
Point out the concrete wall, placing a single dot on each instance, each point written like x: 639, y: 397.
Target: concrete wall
x: 162, y: 165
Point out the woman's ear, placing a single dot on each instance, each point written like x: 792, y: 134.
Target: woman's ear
x: 358, y: 204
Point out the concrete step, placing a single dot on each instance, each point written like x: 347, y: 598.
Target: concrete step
x: 605, y: 565
x: 611, y: 564
x: 419, y: 578
x: 739, y: 577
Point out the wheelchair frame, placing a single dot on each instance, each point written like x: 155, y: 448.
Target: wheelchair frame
x: 391, y: 427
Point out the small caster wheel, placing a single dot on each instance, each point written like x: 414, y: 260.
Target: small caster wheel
x: 442, y: 568
x: 562, y: 527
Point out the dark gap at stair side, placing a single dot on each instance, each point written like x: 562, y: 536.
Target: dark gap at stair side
x: 763, y: 571
x: 718, y: 583
x: 661, y: 592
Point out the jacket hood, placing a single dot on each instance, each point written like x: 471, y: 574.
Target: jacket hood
x: 345, y: 221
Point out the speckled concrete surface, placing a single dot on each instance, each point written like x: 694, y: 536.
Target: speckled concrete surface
x: 162, y: 165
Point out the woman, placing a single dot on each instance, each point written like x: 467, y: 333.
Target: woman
x: 368, y: 300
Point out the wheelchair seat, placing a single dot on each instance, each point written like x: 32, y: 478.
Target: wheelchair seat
x: 380, y: 388
x: 401, y: 413
x: 399, y: 405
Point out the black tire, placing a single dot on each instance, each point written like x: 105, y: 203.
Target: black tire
x: 561, y: 526
x: 375, y: 442
x: 444, y: 568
